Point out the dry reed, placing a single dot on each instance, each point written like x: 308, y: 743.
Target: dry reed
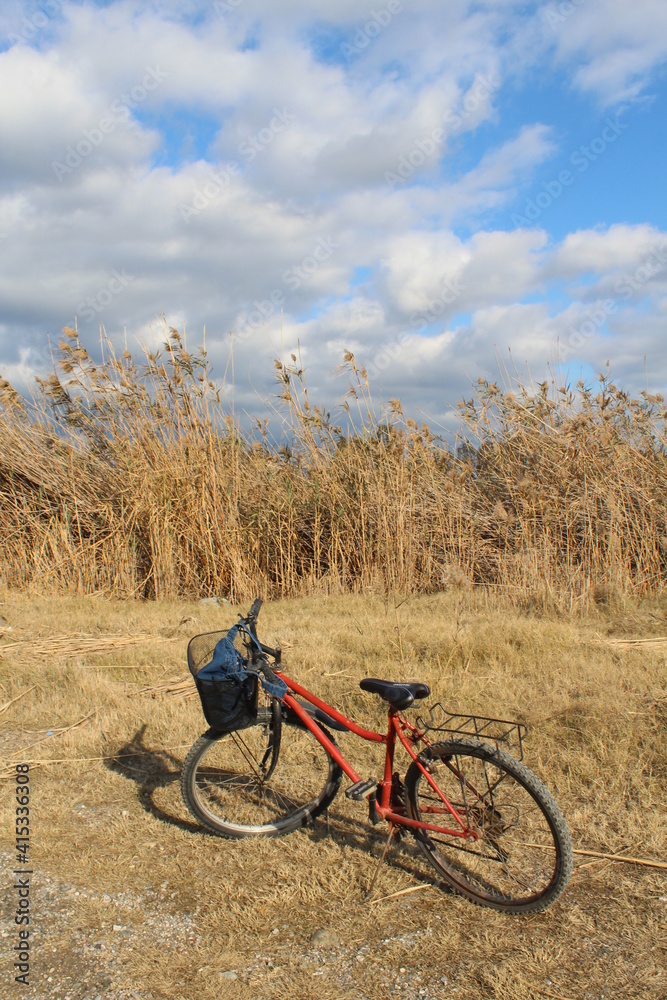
x: 133, y: 479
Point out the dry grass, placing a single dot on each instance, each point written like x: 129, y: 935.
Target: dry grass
x: 134, y: 479
x: 114, y: 845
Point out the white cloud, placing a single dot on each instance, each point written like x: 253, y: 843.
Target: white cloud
x: 419, y: 264
x: 493, y: 181
x: 431, y: 245
x: 612, y: 45
x: 599, y: 251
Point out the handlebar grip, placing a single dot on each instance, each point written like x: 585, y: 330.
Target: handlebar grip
x: 254, y: 610
x: 269, y: 674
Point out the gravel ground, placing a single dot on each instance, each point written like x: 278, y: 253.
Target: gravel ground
x: 75, y: 961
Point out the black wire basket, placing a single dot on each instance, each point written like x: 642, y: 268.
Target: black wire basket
x: 503, y: 733
x: 228, y: 704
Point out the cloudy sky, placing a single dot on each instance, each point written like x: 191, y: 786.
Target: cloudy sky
x: 439, y: 186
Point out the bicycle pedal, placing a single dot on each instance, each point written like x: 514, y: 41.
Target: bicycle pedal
x: 360, y: 788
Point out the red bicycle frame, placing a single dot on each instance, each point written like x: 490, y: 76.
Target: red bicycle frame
x: 397, y: 726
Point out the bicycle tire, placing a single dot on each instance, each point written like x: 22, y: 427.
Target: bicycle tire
x: 522, y: 860
x: 266, y: 780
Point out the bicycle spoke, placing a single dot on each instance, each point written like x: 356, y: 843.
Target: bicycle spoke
x: 504, y: 811
x: 243, y: 747
x: 259, y: 786
x: 284, y: 801
x: 450, y: 845
x: 233, y: 783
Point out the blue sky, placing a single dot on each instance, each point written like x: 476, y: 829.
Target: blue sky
x: 430, y: 186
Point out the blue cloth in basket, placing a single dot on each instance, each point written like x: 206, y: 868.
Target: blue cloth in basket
x: 228, y: 662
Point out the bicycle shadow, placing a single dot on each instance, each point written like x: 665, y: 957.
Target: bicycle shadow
x: 403, y: 854
x: 153, y: 770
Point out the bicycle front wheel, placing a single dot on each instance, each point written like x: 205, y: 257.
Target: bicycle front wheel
x: 522, y: 858
x: 266, y: 780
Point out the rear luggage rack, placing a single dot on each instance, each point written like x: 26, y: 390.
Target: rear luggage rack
x: 498, y: 731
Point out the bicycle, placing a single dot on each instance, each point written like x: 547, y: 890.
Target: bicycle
x: 489, y: 827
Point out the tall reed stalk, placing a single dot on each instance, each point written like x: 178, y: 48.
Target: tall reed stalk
x: 133, y: 479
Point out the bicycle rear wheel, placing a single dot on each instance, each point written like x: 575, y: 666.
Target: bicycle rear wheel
x: 522, y: 859
x: 266, y: 780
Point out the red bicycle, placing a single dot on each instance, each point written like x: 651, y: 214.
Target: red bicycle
x: 487, y: 824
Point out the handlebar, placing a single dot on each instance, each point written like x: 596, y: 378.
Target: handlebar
x: 274, y: 653
x: 254, y: 610
x: 250, y: 622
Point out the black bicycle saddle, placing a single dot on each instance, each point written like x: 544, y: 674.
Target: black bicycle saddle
x: 399, y: 695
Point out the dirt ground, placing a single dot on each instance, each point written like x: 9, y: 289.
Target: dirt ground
x: 131, y: 898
